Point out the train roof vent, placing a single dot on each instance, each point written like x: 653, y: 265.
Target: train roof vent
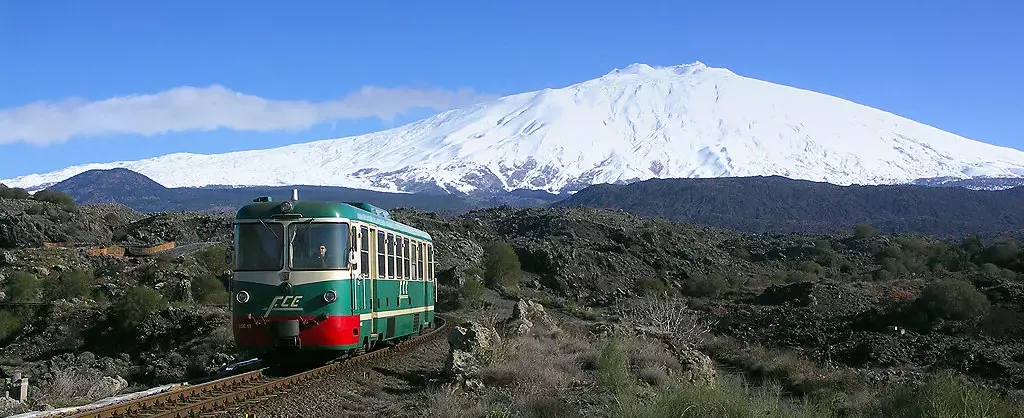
x: 372, y: 209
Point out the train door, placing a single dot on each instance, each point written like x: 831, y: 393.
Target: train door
x: 361, y: 281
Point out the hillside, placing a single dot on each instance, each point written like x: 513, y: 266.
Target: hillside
x: 816, y: 311
x: 779, y: 205
x: 636, y: 123
x: 145, y: 195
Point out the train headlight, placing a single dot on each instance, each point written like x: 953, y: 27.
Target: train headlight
x: 242, y: 297
x: 330, y: 296
x: 286, y: 207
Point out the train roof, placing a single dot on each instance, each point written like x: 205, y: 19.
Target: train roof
x: 363, y: 212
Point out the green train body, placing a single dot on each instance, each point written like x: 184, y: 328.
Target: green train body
x: 327, y: 276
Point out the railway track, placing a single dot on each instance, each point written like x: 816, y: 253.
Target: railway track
x: 217, y: 395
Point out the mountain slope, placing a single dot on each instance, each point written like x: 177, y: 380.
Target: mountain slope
x: 780, y: 205
x: 143, y: 194
x: 631, y: 124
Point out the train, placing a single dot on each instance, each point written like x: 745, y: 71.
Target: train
x: 327, y: 278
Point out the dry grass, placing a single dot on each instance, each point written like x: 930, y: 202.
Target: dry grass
x: 70, y: 387
x: 797, y: 374
x: 451, y: 404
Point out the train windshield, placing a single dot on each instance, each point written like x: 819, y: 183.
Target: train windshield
x: 318, y: 246
x: 259, y: 246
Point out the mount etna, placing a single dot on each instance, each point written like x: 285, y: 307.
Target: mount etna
x: 631, y: 124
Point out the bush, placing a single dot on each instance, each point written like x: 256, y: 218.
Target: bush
x: 705, y: 285
x: 9, y: 324
x: 71, y: 284
x: 60, y: 199
x: 650, y: 286
x: 22, y: 287
x: 864, y: 231
x: 501, y: 265
x: 208, y: 290
x: 214, y: 258
x: 471, y: 293
x: 136, y: 304
x: 13, y: 193
x: 947, y: 395
x: 953, y: 299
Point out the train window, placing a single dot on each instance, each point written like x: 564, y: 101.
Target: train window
x: 391, y: 256
x: 419, y: 264
x: 364, y: 250
x: 405, y: 256
x: 260, y: 246
x: 430, y: 261
x: 381, y: 257
x: 318, y: 246
x: 398, y: 257
x: 414, y: 259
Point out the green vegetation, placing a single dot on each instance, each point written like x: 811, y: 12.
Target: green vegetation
x: 942, y: 395
x: 206, y: 289
x: 13, y: 193
x: 214, y: 258
x: 70, y: 284
x: 863, y: 231
x: 22, y: 287
x: 60, y: 199
x: 136, y: 304
x: 471, y: 292
x: 501, y: 266
x: 954, y: 299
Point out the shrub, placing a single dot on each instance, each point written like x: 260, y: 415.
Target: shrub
x: 705, y: 285
x: 13, y: 193
x: 501, y: 265
x: 613, y: 370
x: 864, y: 231
x: 71, y: 284
x: 471, y: 293
x: 953, y: 299
x: 60, y: 199
x: 667, y: 316
x: 650, y: 286
x: 9, y: 324
x: 207, y: 289
x: 136, y: 304
x: 947, y: 395
x: 214, y: 258
x: 22, y: 287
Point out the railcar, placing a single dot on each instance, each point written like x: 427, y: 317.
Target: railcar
x: 327, y: 277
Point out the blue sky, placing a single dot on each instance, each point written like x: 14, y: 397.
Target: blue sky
x: 953, y: 65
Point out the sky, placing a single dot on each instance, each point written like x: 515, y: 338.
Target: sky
x: 104, y: 80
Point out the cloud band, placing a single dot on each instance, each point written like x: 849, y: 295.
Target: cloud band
x: 209, y: 108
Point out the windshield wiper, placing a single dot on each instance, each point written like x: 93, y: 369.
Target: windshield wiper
x: 271, y: 230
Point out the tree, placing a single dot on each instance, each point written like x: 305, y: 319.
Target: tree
x: 137, y: 303
x: 954, y: 299
x: 60, y: 199
x: 864, y: 231
x: 501, y: 265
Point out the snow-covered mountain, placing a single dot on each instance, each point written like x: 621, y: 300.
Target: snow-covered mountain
x: 630, y: 124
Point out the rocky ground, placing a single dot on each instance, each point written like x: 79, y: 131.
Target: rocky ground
x: 835, y: 317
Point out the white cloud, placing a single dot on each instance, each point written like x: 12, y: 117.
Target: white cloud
x: 209, y: 108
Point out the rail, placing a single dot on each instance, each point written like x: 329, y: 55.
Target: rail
x: 216, y: 395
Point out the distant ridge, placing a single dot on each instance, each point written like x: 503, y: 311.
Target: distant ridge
x: 145, y: 195
x: 779, y: 205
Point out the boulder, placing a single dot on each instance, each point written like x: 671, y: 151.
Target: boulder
x: 526, y: 314
x: 697, y: 367
x: 7, y: 259
x: 107, y: 387
x: 469, y: 345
